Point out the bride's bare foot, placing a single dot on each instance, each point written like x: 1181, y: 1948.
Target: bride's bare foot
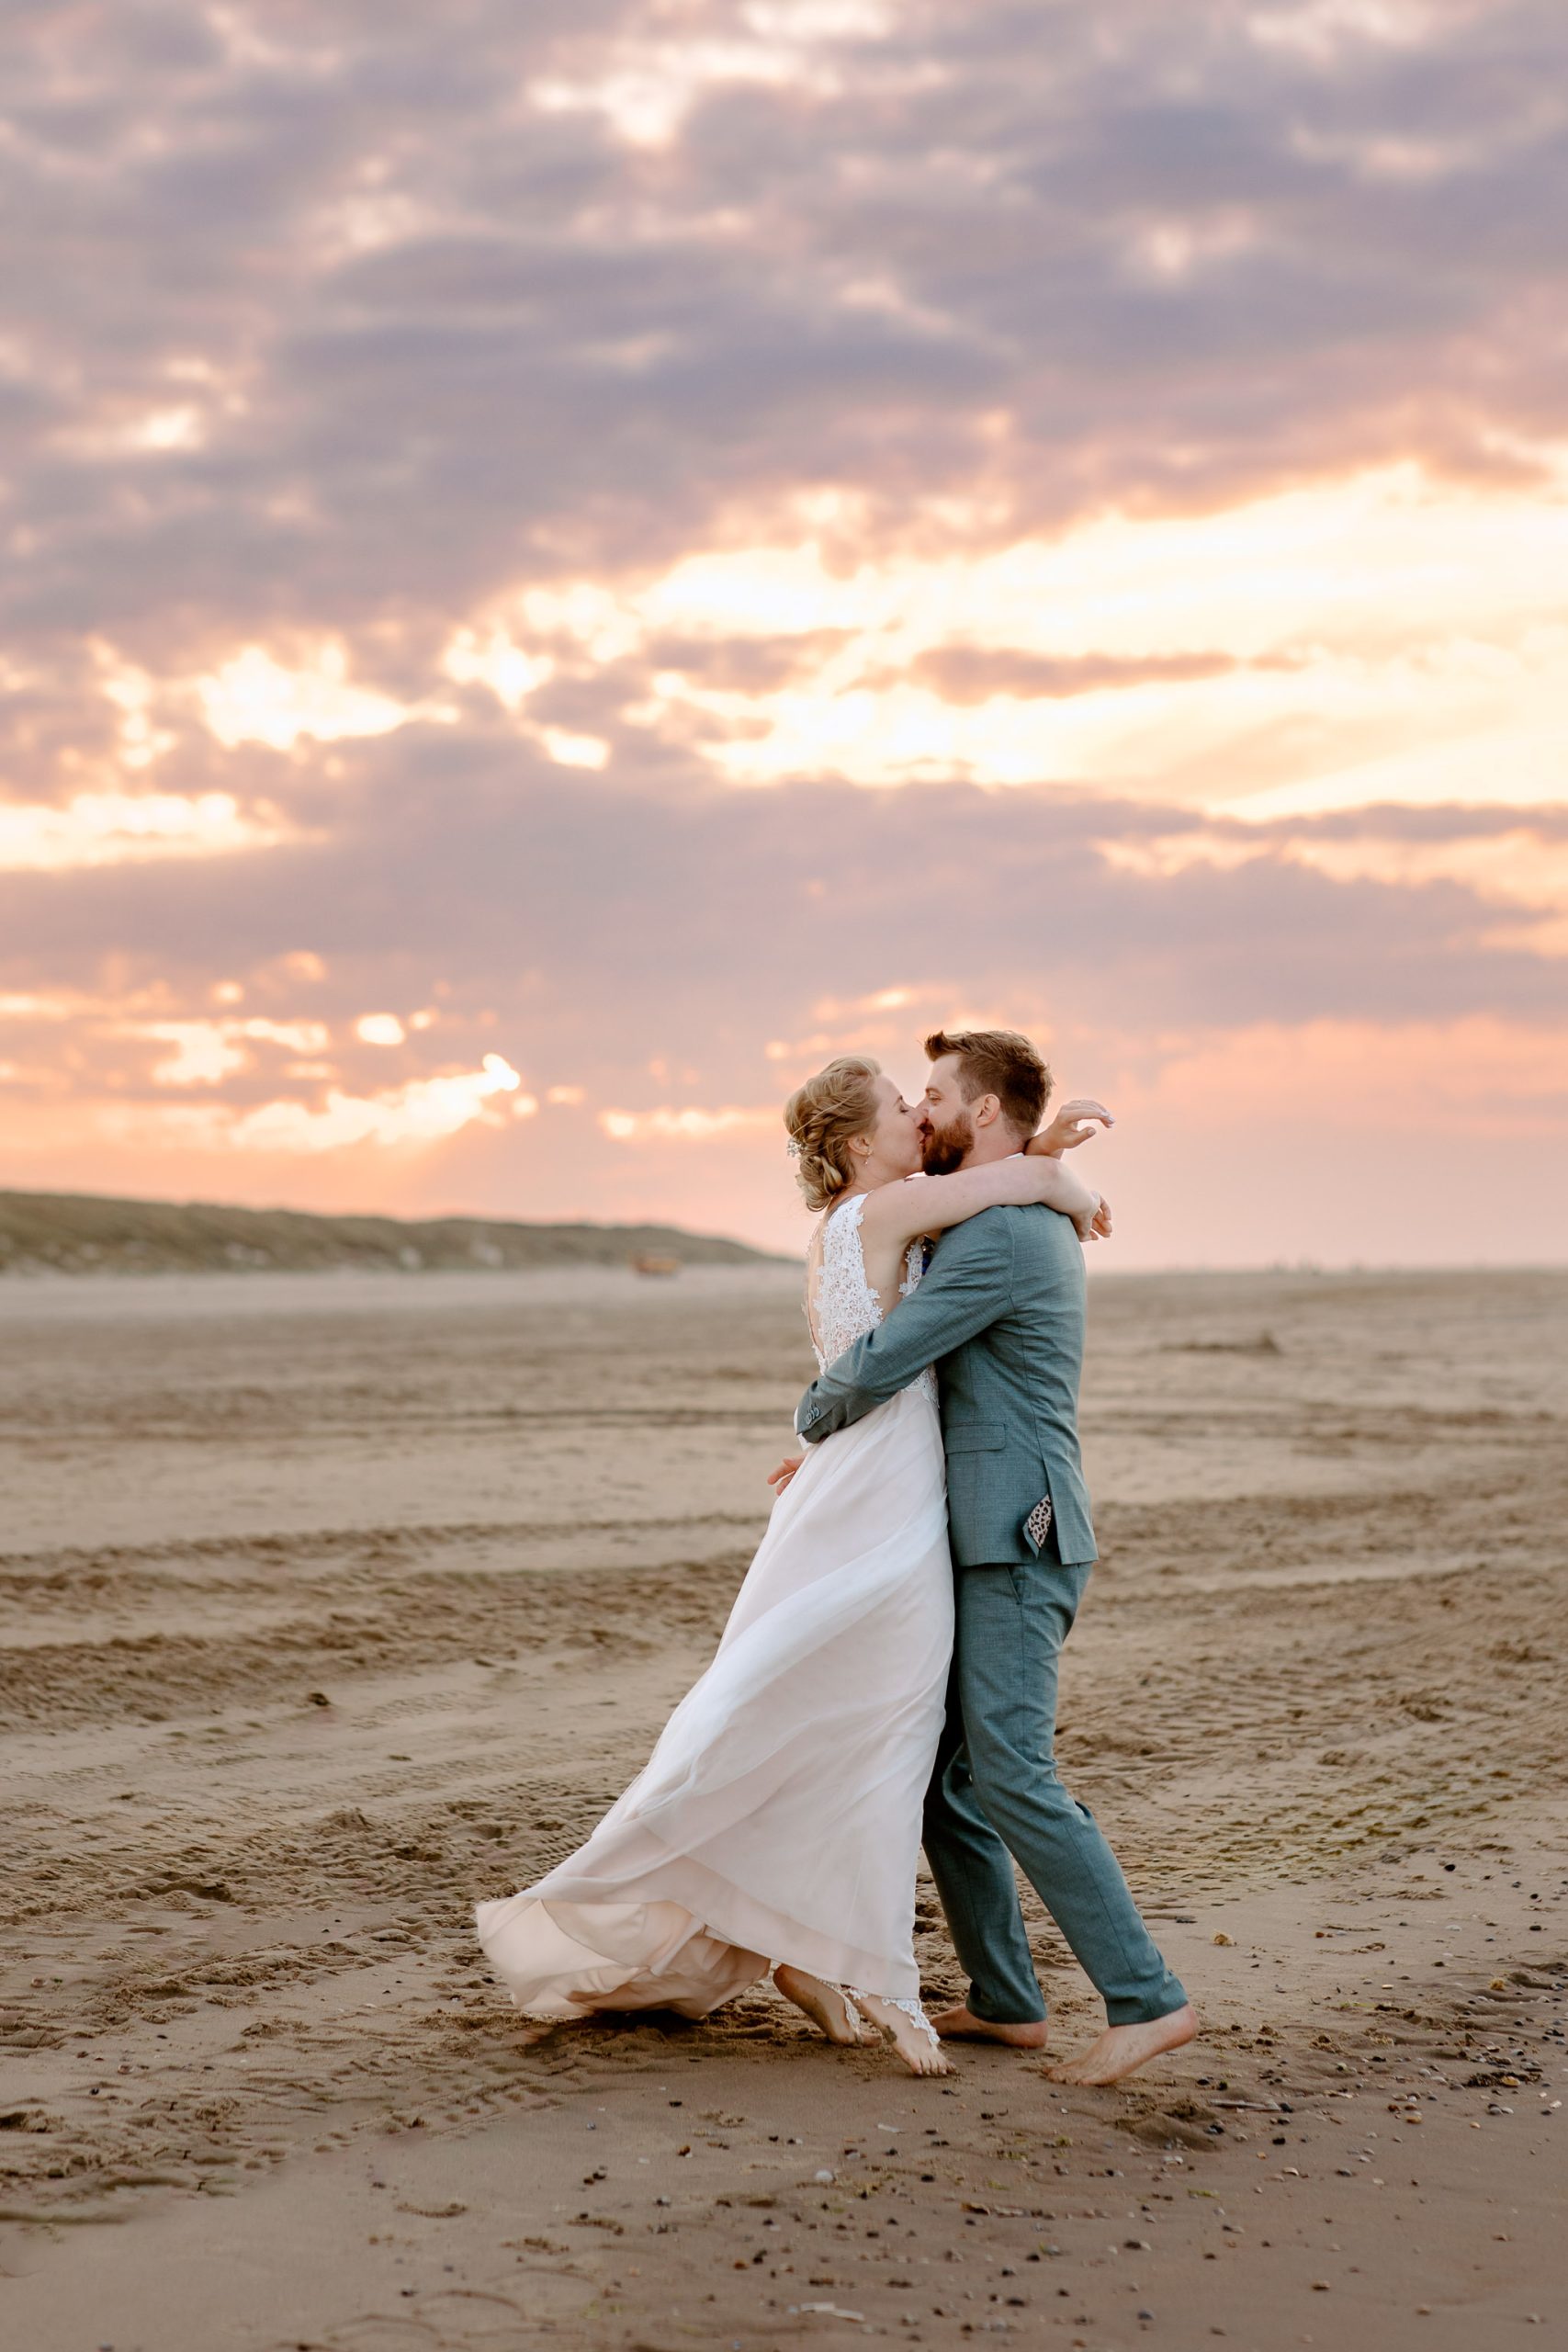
x: 823, y: 2003
x: 540, y: 2030
x: 961, y: 2025
x: 1122, y: 2049
x: 910, y: 2035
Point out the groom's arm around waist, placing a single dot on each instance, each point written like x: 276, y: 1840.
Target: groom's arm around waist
x: 968, y: 1286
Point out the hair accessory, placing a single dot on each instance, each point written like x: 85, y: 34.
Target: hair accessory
x: 793, y: 1146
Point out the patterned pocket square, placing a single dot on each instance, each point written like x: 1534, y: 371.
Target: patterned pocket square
x: 1037, y: 1526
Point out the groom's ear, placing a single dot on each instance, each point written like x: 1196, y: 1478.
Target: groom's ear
x: 986, y: 1110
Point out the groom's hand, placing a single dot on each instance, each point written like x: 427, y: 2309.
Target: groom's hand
x: 779, y: 1479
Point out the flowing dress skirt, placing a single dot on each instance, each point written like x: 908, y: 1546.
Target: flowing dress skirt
x: 779, y: 1817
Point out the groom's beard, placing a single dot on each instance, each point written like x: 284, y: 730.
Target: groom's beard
x: 945, y: 1147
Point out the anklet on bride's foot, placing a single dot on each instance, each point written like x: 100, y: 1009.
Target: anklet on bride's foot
x: 922, y: 2050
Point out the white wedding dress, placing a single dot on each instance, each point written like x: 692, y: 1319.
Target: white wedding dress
x: 779, y: 1817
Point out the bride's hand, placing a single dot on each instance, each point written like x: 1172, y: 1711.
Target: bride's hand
x: 1094, y: 1224
x: 779, y: 1479
x: 1073, y: 1123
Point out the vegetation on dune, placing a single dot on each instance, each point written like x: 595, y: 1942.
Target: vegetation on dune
x: 79, y: 1233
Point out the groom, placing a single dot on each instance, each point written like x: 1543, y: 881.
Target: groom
x: 1000, y: 1313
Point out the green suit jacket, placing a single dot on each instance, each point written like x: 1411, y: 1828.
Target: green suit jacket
x: 1000, y: 1313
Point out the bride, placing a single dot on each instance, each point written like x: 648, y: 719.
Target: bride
x: 777, y: 1821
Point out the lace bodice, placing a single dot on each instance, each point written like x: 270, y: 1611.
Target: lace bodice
x: 840, y: 1305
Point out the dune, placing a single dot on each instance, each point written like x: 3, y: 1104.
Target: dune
x: 80, y: 1233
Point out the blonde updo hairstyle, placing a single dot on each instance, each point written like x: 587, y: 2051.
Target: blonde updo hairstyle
x: 821, y: 1116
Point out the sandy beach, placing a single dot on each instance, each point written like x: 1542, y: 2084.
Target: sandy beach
x: 331, y: 1603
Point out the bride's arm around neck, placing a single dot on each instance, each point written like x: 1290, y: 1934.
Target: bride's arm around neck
x: 896, y: 1213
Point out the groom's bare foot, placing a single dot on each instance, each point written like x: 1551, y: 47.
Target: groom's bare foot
x: 1122, y: 2049
x: 961, y: 2025
x: 822, y: 2003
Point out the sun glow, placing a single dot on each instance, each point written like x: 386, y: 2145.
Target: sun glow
x: 254, y: 698
x: 495, y: 660
x: 1387, y: 637
x: 115, y: 828
x: 686, y: 1125
x: 207, y: 1052
x: 379, y: 1029
x: 1475, y: 1074
x: 648, y: 87
x: 408, y: 1118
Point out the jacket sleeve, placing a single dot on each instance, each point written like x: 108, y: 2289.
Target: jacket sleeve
x: 969, y: 1285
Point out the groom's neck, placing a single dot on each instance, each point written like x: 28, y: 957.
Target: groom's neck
x: 995, y: 1142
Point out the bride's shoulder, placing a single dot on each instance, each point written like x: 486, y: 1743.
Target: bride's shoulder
x: 893, y: 1196
x: 896, y: 1207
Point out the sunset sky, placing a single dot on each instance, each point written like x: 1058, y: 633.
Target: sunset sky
x: 565, y: 561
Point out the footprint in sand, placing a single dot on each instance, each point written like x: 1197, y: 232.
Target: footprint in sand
x: 459, y: 2318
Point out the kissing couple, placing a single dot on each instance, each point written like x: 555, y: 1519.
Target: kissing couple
x: 889, y: 1673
